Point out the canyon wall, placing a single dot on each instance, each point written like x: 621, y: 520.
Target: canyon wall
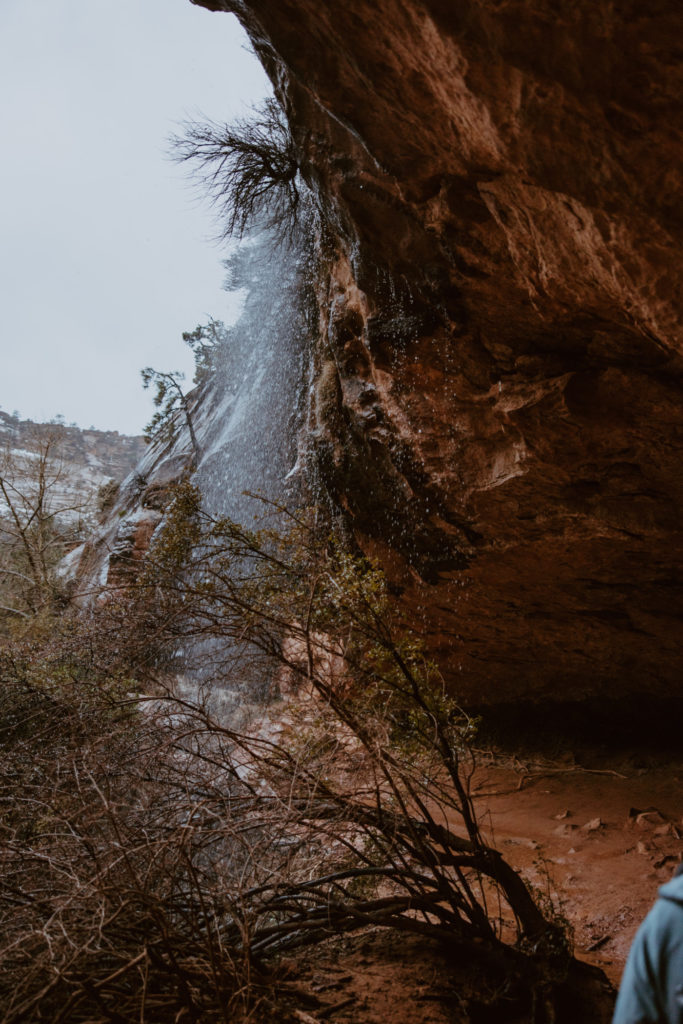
x: 498, y: 406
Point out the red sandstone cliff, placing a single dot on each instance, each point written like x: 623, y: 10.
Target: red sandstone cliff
x: 499, y: 402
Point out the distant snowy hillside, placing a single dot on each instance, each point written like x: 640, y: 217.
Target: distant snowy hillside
x: 90, y: 458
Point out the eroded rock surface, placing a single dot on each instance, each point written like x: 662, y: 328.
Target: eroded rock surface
x: 499, y: 370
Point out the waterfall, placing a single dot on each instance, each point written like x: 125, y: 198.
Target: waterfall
x: 249, y: 421
x: 246, y: 418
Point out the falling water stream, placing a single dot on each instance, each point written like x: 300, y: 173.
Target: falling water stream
x: 247, y: 424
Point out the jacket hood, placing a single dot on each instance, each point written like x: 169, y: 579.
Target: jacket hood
x: 673, y: 890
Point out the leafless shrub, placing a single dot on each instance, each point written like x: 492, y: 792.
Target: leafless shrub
x: 382, y: 775
x: 250, y: 170
x: 155, y: 859
x: 42, y: 517
x: 120, y: 886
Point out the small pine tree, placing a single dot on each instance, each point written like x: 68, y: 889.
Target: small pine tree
x: 171, y: 404
x: 206, y: 340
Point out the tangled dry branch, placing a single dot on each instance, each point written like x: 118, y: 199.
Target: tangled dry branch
x: 249, y: 169
x: 156, y: 858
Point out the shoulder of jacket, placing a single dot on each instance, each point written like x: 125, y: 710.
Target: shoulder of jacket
x: 673, y: 890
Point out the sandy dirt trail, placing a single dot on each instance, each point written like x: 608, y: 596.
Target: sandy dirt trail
x: 601, y: 841
x: 598, y: 841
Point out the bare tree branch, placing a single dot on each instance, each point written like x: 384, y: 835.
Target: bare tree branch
x: 250, y: 170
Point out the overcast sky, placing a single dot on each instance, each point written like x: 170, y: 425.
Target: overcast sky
x: 106, y: 254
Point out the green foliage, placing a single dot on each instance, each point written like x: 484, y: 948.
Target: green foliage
x: 207, y: 341
x: 168, y: 395
x: 177, y: 541
x: 62, y: 656
x: 172, y: 406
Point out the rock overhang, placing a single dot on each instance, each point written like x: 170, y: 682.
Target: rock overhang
x: 506, y: 283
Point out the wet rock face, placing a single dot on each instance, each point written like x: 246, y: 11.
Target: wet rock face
x: 130, y: 545
x: 505, y: 428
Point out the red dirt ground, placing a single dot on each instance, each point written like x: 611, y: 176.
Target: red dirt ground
x: 603, y: 839
x: 574, y: 833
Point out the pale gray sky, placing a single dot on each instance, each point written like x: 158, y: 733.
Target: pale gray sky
x: 105, y: 250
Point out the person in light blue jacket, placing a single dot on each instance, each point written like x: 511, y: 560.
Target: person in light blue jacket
x: 651, y: 990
